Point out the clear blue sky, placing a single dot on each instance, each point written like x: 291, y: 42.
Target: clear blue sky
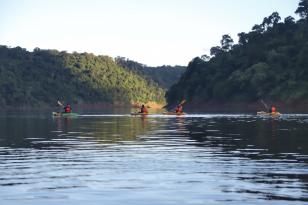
x: 152, y: 32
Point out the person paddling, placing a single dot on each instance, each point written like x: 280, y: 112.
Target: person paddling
x: 179, y: 109
x: 143, y: 110
x: 67, y: 108
x: 273, y: 110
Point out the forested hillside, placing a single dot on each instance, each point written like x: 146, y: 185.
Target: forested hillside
x: 164, y: 76
x: 270, y: 62
x: 43, y: 76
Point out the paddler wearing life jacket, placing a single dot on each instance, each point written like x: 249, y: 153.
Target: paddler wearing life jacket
x: 67, y: 108
x: 143, y: 109
x: 179, y: 109
x: 273, y: 109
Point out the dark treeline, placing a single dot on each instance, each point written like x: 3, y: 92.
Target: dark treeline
x: 164, y: 76
x: 44, y: 76
x: 270, y: 62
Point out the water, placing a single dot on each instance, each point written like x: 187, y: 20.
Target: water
x: 123, y: 159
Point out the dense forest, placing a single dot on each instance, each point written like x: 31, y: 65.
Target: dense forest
x: 164, y: 76
x: 42, y: 77
x: 270, y: 62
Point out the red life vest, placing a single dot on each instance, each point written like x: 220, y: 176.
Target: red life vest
x: 67, y: 109
x: 144, y: 110
x: 273, y: 109
x: 179, y: 109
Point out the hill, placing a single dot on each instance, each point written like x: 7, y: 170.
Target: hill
x: 43, y: 76
x: 270, y: 62
x: 164, y: 76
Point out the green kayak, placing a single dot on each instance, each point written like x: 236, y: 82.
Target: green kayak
x: 63, y: 114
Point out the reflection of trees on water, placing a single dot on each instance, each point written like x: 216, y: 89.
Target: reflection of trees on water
x: 44, y: 133
x: 272, y: 135
x: 108, y: 129
x: 268, y: 153
x: 17, y: 132
x: 116, y: 129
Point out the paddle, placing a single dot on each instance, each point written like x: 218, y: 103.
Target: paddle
x: 60, y: 104
x: 166, y: 106
x: 181, y: 103
x: 264, y: 104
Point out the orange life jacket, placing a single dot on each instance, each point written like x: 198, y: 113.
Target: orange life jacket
x: 273, y: 109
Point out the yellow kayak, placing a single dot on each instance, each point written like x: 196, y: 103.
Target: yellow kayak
x: 272, y: 114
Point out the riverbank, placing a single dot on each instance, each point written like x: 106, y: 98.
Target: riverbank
x: 236, y: 107
x: 200, y: 107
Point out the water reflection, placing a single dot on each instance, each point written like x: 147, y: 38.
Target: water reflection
x: 116, y: 159
x: 276, y: 157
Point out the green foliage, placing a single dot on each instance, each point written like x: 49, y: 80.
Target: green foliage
x: 226, y: 43
x: 164, y: 76
x: 302, y: 9
x: 270, y: 62
x: 43, y: 76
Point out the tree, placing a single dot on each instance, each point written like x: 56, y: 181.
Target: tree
x: 214, y: 51
x: 205, y: 57
x: 242, y: 38
x: 274, y: 18
x: 270, y: 21
x: 226, y: 43
x: 289, y: 20
x: 302, y: 9
x: 258, y: 28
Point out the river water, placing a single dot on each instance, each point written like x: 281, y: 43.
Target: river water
x: 118, y: 159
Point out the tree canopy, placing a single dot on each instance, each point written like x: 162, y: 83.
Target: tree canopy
x: 270, y: 62
x: 44, y: 76
x: 164, y: 76
x: 302, y: 9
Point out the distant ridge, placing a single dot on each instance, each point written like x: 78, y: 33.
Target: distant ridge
x: 164, y: 76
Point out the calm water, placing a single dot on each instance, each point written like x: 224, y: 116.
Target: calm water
x: 119, y: 159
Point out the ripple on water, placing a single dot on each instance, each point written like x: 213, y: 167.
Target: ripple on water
x: 197, y: 159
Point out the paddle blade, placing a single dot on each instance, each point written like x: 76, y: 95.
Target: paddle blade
x: 182, y: 102
x: 264, y: 104
x: 60, y: 104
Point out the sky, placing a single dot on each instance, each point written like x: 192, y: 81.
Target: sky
x: 151, y: 32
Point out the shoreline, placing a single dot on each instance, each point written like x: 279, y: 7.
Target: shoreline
x: 82, y: 106
x: 232, y: 107
x: 208, y: 107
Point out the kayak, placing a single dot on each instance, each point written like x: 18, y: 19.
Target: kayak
x: 63, y: 114
x: 138, y: 113
x: 262, y: 113
x: 174, y: 113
